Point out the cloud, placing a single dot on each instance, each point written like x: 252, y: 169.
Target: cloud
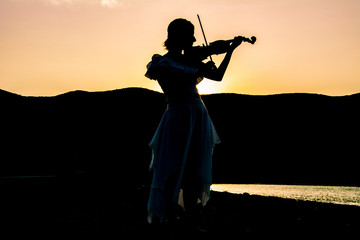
x: 110, y: 3
x: 103, y: 3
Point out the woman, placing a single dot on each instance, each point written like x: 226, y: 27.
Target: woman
x: 183, y: 143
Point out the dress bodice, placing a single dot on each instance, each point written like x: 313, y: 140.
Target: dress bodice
x: 178, y: 79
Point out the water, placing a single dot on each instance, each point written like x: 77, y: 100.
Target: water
x: 325, y: 194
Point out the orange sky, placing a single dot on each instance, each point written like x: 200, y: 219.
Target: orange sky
x: 48, y: 47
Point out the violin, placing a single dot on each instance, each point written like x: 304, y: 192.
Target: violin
x: 200, y: 53
x: 218, y: 47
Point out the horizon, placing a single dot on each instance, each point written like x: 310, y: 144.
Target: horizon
x: 50, y: 47
x: 160, y: 92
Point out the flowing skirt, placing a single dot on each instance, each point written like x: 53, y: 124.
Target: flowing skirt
x: 185, y: 136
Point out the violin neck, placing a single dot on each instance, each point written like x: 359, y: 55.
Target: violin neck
x: 251, y: 40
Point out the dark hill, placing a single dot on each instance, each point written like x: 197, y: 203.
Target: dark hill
x: 286, y: 138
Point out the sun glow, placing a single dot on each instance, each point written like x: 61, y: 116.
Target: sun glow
x: 208, y: 87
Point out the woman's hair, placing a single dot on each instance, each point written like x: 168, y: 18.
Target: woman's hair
x: 177, y: 29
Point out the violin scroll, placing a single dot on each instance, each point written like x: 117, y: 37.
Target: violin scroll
x: 252, y: 40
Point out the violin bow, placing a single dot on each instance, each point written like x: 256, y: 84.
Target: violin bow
x: 202, y: 29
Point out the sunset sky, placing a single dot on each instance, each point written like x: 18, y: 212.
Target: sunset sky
x: 48, y: 47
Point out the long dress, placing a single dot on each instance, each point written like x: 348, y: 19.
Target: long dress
x: 185, y: 136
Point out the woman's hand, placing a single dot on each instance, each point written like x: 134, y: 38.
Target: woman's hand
x: 236, y: 42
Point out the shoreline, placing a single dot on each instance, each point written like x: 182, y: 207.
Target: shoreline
x: 101, y: 210
x: 341, y: 195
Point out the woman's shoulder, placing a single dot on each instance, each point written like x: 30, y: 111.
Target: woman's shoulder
x: 155, y: 65
x: 159, y: 60
x: 156, y: 57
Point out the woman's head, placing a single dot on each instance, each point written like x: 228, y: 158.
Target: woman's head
x: 180, y: 34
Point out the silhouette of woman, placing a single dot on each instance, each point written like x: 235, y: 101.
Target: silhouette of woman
x: 183, y: 144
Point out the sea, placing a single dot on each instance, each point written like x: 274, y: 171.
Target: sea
x: 325, y: 194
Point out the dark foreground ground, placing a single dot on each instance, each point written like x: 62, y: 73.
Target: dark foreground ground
x: 54, y: 208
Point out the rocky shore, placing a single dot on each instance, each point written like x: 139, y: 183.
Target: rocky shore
x: 92, y: 209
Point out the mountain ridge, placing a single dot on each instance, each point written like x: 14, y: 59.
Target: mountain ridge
x: 141, y: 90
x: 281, y: 138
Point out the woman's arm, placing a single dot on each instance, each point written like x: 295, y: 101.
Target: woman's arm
x: 217, y: 74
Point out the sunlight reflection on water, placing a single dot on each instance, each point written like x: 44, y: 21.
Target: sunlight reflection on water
x: 326, y: 194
